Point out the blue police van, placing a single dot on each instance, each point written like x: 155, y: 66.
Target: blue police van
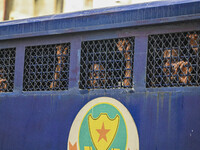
x: 119, y: 78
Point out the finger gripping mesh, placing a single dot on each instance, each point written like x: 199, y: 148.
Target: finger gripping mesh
x: 46, y: 67
x: 173, y: 60
x: 107, y: 64
x: 7, y: 69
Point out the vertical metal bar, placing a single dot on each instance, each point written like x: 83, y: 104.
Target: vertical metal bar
x: 179, y: 49
x: 170, y: 48
x: 19, y: 67
x: 141, y: 46
x: 83, y: 50
x: 74, y: 65
x: 188, y: 57
x: 198, y: 63
x: 100, y: 63
x: 162, y: 62
x: 106, y: 66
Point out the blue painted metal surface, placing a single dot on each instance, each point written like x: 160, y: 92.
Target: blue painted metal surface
x: 166, y: 118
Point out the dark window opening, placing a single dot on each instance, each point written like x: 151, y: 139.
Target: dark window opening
x: 46, y: 67
x: 173, y: 60
x: 107, y: 64
x: 7, y: 69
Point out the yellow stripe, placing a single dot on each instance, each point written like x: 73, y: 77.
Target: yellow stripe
x: 87, y: 148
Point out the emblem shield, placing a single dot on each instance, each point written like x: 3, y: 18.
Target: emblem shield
x: 103, y: 130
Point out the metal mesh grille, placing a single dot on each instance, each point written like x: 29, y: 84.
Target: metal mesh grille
x: 107, y: 64
x: 7, y: 69
x: 173, y: 60
x: 46, y: 67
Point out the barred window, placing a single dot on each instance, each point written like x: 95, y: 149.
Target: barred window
x: 107, y: 64
x: 7, y: 69
x: 173, y: 60
x: 46, y: 67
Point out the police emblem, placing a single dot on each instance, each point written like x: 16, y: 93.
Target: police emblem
x: 103, y: 124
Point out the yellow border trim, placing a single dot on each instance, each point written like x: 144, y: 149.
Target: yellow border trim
x: 117, y: 116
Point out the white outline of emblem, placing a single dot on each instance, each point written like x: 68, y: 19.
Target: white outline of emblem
x: 132, y: 133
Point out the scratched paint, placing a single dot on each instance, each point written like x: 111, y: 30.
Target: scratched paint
x: 169, y: 111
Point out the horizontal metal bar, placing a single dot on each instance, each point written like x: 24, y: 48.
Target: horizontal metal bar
x: 105, y: 18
